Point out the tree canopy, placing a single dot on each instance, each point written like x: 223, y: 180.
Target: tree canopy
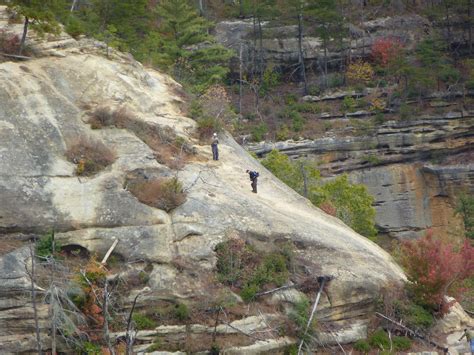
x: 352, y: 202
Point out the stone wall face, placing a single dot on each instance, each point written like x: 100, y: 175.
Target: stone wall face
x: 416, y: 169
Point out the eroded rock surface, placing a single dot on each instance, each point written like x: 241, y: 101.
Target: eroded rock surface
x: 46, y: 104
x: 414, y: 169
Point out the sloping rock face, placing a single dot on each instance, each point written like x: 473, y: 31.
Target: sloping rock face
x: 280, y: 44
x: 43, y: 110
x: 414, y: 169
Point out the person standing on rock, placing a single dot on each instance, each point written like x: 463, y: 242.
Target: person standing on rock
x: 215, y: 149
x: 253, y: 177
x: 470, y: 339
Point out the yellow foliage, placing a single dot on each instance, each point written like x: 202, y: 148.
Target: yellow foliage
x: 80, y: 167
x: 377, y: 104
x: 360, y: 71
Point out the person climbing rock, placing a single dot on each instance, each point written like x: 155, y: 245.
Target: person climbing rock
x: 469, y: 338
x: 215, y: 149
x: 253, y: 177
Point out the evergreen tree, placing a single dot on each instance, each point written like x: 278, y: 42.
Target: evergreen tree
x: 39, y: 14
x: 327, y: 23
x: 130, y: 20
x: 181, y: 44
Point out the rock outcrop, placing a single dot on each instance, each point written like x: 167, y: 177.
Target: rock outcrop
x: 280, y: 44
x: 415, y: 169
x: 46, y: 103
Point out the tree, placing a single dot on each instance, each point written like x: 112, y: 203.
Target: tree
x: 465, y: 208
x: 327, y: 23
x: 385, y: 50
x: 351, y: 202
x: 130, y: 19
x: 181, y: 44
x: 298, y: 175
x: 435, y: 64
x: 297, y: 10
x: 434, y: 266
x: 39, y: 14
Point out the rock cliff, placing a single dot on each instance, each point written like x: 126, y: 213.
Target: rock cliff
x: 414, y: 169
x: 46, y: 105
x: 280, y: 43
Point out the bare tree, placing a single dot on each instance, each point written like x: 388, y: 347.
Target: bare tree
x: 131, y: 333
x: 32, y: 276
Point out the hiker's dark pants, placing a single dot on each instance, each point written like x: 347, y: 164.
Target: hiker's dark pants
x: 254, y: 185
x: 215, y: 152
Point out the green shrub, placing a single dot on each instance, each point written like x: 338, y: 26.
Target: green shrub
x: 380, y: 340
x: 208, y: 125
x: 195, y: 110
x: 379, y: 118
x: 74, y: 27
x: 248, y: 292
x: 362, y: 345
x: 271, y: 78
x: 283, y: 133
x: 291, y: 350
x: 470, y: 84
x: 156, y: 346
x: 371, y: 159
x: 306, y: 107
x: 142, y: 321
x: 465, y: 208
x: 449, y: 74
x: 300, y: 316
x: 362, y: 103
x: 405, y: 112
x: 44, y: 246
x: 401, y: 343
x: 349, y: 104
x: 291, y: 99
x: 91, y: 348
x: 314, y: 90
x: 251, y: 116
x: 240, y: 265
x: 415, y: 316
x: 336, y: 80
x: 297, y: 121
x: 258, y: 132
x: 181, y: 311
x: 215, y: 350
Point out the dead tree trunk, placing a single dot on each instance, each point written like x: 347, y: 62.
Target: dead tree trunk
x: 300, y: 51
x: 73, y: 6
x: 260, y: 49
x: 201, y: 8
x: 240, y: 76
x: 313, y: 311
x: 106, y: 318
x: 32, y: 275
x: 129, y: 338
x: 53, y: 299
x: 23, y: 36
